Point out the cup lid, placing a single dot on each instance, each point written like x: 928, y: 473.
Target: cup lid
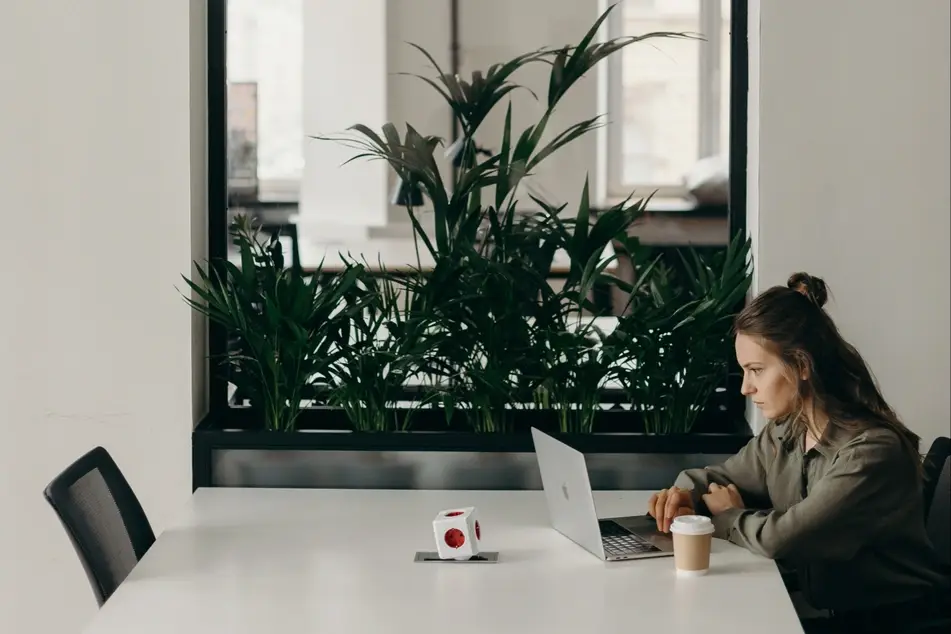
x: 692, y: 525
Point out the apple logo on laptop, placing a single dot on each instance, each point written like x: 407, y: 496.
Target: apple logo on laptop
x: 564, y: 490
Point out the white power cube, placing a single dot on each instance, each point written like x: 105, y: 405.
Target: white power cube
x: 457, y: 533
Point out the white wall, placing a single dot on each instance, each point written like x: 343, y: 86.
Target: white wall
x: 853, y: 181
x: 95, y: 168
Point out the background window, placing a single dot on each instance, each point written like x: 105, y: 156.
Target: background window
x: 265, y: 51
x: 668, y: 99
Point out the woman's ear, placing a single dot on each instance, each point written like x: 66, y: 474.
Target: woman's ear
x: 803, y: 365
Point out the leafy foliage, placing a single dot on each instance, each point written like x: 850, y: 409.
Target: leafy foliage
x: 383, y: 351
x: 483, y: 327
x: 673, y: 347
x: 287, y: 327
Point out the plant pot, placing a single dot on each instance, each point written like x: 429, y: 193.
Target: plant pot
x: 438, y: 458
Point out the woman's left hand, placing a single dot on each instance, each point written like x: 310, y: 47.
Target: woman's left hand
x: 721, y: 499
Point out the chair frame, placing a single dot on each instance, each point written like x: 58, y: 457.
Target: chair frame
x: 932, y: 464
x: 57, y: 493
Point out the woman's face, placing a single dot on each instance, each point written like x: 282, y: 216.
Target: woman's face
x: 765, y: 379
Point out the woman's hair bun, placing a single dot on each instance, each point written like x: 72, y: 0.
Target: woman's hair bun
x: 813, y: 288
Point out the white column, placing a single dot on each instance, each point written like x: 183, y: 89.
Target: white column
x: 344, y: 82
x: 409, y: 100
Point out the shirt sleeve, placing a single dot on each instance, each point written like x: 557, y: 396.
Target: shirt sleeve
x: 746, y: 470
x: 847, y: 508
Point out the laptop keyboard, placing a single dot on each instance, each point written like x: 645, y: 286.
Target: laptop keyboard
x: 618, y: 540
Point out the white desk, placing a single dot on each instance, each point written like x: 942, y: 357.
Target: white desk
x: 341, y: 562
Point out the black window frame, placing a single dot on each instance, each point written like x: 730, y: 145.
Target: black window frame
x: 218, y: 200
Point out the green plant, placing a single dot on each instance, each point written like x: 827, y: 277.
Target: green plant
x: 381, y: 350
x: 509, y: 345
x: 286, y: 327
x: 472, y: 326
x: 483, y: 326
x: 672, y: 349
x: 577, y: 370
x: 577, y: 364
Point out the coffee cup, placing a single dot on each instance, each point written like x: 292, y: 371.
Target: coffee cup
x: 693, y: 537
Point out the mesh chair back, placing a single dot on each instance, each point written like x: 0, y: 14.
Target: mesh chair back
x: 939, y: 451
x: 104, y: 520
x: 939, y: 517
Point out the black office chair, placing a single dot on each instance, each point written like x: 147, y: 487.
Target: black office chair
x: 939, y: 532
x: 939, y: 516
x: 933, y: 462
x: 103, y: 518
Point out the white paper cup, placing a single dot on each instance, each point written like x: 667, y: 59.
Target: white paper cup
x: 693, y: 538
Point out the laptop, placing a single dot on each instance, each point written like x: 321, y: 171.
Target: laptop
x: 573, y: 514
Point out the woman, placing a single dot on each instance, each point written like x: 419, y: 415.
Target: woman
x: 832, y: 486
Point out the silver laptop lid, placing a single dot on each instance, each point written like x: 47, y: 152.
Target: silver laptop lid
x: 568, y: 492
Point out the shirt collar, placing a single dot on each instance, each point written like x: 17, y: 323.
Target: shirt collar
x: 833, y: 439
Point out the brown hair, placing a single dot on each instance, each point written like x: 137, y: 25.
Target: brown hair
x: 792, y: 323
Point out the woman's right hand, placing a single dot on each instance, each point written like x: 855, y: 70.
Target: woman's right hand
x: 667, y: 504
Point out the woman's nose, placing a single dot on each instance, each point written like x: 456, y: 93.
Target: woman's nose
x: 747, y: 388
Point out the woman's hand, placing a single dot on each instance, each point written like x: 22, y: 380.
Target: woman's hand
x: 721, y: 499
x: 667, y: 504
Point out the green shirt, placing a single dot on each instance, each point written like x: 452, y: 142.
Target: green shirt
x: 847, y: 515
